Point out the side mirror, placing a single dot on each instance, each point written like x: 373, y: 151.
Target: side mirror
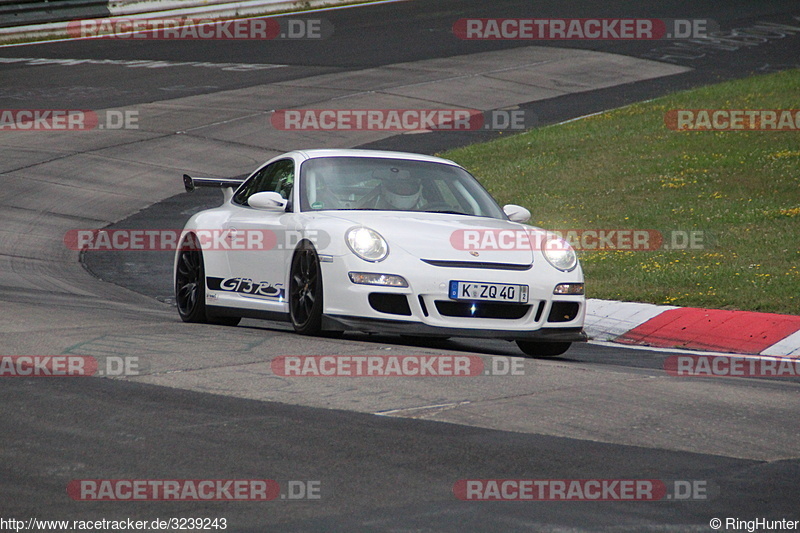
x: 516, y: 213
x: 269, y: 201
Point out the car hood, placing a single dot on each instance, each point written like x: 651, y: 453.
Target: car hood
x: 441, y: 236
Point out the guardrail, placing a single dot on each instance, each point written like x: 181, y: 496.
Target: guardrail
x: 24, y: 19
x: 22, y: 12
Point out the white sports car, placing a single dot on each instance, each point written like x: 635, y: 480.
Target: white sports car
x: 373, y: 241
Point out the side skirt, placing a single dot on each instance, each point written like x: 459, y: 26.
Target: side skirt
x: 215, y: 310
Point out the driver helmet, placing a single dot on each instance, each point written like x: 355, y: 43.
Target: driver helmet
x: 401, y: 190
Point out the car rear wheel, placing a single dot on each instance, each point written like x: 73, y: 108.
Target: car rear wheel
x: 190, y: 288
x: 305, y: 291
x: 543, y: 349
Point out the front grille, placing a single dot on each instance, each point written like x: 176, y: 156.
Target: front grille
x: 481, y: 309
x: 476, y: 264
x: 389, y: 303
x: 563, y: 311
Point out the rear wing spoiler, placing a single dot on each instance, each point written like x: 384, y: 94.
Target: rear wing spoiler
x: 191, y: 183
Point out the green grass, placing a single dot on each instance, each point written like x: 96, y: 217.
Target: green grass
x: 625, y: 169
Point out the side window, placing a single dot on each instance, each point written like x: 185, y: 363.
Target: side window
x: 277, y: 177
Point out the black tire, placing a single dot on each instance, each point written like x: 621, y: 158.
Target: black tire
x: 305, y: 291
x: 190, y: 288
x: 190, y: 291
x: 543, y: 349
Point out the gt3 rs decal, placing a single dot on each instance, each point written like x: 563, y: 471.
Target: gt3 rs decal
x: 260, y: 289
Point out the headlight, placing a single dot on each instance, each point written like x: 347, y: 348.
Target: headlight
x: 559, y: 253
x: 569, y: 288
x: 370, y: 278
x: 367, y: 244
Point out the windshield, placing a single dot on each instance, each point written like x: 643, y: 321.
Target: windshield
x: 374, y: 183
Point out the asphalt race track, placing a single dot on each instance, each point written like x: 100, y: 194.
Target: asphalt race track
x: 385, y: 453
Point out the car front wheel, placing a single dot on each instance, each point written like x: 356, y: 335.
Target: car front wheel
x: 305, y: 291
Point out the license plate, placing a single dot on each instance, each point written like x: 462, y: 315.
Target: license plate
x: 492, y: 292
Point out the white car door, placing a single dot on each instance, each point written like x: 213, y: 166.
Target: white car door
x: 257, y: 237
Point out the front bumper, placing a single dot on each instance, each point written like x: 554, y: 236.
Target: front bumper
x: 424, y: 308
x: 405, y: 327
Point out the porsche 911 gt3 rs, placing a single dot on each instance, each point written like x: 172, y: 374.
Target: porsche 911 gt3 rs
x: 373, y: 241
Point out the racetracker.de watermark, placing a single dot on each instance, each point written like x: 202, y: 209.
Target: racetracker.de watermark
x: 580, y: 490
x: 192, y: 490
x: 49, y: 366
x: 733, y: 119
x: 22, y: 120
x: 394, y: 366
x: 402, y: 120
x: 158, y: 240
x: 732, y: 366
x: 600, y: 29
x: 580, y: 239
x: 184, y: 28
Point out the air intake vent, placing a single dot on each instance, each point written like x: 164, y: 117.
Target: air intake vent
x: 481, y: 309
x: 392, y: 304
x: 563, y: 311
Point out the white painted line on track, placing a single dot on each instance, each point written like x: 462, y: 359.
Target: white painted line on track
x: 441, y: 406
x: 136, y: 63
